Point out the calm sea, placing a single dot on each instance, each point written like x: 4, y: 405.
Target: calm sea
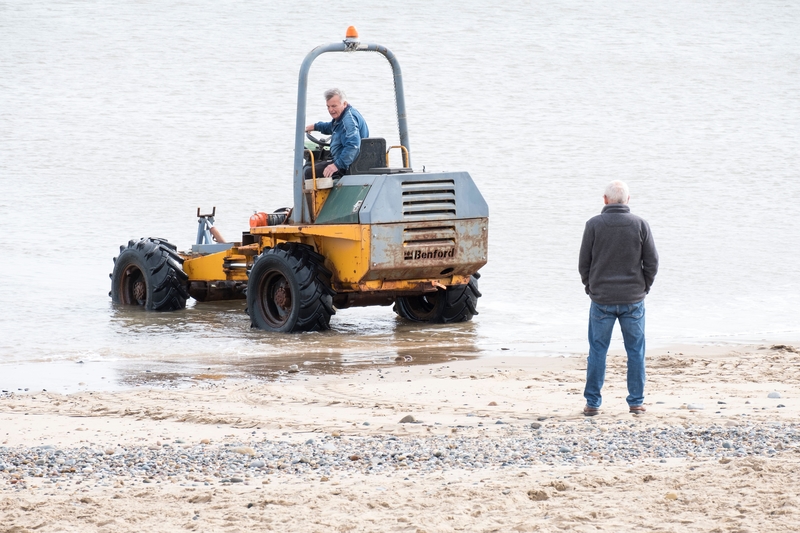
x: 119, y: 119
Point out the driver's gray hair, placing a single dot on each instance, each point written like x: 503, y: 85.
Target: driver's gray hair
x: 330, y: 93
x: 617, y: 192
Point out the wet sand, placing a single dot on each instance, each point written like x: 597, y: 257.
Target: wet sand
x: 304, y: 453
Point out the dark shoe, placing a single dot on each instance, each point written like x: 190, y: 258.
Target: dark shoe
x: 637, y: 409
x: 591, y: 411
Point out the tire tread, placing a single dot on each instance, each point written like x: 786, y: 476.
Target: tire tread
x: 164, y: 274
x: 315, y: 293
x: 456, y: 304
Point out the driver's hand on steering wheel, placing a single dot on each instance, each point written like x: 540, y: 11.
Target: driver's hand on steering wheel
x: 330, y: 170
x: 310, y: 127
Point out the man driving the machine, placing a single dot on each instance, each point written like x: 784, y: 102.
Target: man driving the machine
x: 346, y: 129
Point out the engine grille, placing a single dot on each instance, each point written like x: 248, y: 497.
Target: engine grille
x: 429, y: 236
x: 429, y: 200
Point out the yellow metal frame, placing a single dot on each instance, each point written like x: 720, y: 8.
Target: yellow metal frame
x: 211, y: 267
x: 346, y: 248
x: 318, y: 196
x: 405, y: 155
x: 313, y: 167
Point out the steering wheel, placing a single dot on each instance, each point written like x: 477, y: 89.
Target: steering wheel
x: 318, y: 142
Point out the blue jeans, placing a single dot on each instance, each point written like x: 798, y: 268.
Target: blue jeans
x: 601, y: 324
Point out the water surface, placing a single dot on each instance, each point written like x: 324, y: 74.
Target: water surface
x: 119, y: 120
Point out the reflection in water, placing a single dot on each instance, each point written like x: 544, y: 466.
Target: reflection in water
x: 288, y: 366
x: 225, y: 347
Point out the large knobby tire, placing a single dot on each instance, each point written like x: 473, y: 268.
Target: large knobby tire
x: 456, y: 304
x: 149, y: 273
x: 288, y: 290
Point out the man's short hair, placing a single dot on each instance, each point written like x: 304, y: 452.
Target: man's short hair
x: 617, y: 192
x: 330, y: 93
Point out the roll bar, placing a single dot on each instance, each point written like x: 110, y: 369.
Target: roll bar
x: 300, y: 213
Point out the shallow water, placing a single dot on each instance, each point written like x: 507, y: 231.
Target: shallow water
x: 119, y: 121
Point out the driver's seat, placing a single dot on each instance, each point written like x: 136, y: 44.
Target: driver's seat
x: 372, y: 155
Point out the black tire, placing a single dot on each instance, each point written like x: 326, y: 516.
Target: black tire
x: 456, y: 304
x: 149, y: 273
x: 289, y: 290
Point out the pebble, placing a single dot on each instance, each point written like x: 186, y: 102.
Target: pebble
x: 774, y: 394
x: 567, y: 443
x: 695, y: 406
x: 408, y: 419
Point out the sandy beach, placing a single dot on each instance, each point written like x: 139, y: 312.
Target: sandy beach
x: 496, y: 444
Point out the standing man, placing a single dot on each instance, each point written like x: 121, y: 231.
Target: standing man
x: 346, y: 129
x: 618, y: 263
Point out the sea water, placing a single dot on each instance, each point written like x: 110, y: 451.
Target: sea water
x: 119, y: 119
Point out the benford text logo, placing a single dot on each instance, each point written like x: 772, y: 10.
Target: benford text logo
x: 413, y: 255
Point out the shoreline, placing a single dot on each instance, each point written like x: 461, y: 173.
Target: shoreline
x: 69, y: 376
x: 496, y: 442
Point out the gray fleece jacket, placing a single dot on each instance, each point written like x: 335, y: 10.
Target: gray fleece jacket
x: 618, y: 260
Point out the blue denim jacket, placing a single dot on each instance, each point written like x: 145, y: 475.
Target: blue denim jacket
x: 346, y: 134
